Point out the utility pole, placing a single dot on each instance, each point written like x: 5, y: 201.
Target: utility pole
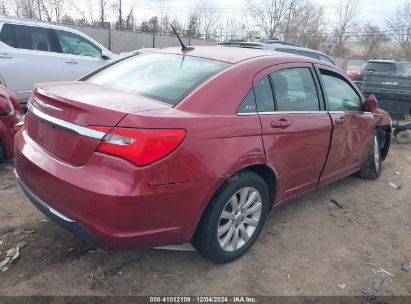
x: 120, y: 21
x: 39, y: 8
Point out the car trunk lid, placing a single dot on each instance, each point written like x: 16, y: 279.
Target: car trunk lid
x: 62, y: 116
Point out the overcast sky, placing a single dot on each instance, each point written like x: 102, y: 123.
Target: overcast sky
x: 374, y: 11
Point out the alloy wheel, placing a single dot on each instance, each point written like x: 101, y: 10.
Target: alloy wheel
x: 239, y: 219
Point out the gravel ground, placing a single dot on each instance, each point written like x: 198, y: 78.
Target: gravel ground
x: 309, y: 246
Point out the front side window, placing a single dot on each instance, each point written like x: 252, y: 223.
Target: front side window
x: 165, y: 77
x: 76, y: 45
x: 295, y: 90
x: 7, y: 35
x: 341, y: 96
x: 33, y: 38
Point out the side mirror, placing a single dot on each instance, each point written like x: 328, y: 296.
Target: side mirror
x: 371, y: 104
x: 5, y: 106
x: 105, y: 55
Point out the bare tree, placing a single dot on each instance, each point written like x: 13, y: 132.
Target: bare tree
x: 102, y: 11
x: 208, y: 18
x: 345, y: 22
x: 269, y: 15
x: 164, y: 18
x: 400, y: 24
x: 130, y: 20
x: 192, y: 26
x: 371, y: 36
x: 304, y: 24
x: 233, y: 28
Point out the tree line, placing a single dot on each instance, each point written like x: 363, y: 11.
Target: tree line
x: 301, y: 22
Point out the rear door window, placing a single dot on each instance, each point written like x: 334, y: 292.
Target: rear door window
x: 33, y: 38
x: 7, y: 35
x: 341, y: 96
x: 264, y: 95
x: 295, y: 90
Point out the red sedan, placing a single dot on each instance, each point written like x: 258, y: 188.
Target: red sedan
x: 170, y: 147
x: 11, y: 120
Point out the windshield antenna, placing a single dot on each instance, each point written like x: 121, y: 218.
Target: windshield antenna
x: 184, y: 48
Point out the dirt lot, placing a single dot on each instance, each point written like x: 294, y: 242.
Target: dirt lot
x: 308, y: 247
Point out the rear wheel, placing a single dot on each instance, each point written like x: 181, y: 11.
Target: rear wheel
x: 371, y: 168
x: 234, y: 218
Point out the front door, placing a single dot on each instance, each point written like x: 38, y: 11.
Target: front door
x: 352, y: 127
x: 79, y: 56
x: 296, y: 129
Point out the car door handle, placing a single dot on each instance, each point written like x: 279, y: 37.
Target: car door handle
x: 72, y: 61
x: 5, y: 55
x: 281, y: 124
x: 339, y: 121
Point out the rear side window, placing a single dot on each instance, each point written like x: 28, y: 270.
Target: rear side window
x: 326, y: 59
x: 264, y: 95
x: 165, y: 77
x: 295, y: 90
x: 7, y: 35
x: 74, y: 44
x: 341, y: 96
x: 33, y: 38
x: 248, y: 105
x: 379, y: 67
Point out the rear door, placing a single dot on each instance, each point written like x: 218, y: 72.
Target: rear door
x: 352, y: 127
x: 79, y: 55
x: 28, y: 55
x: 296, y: 128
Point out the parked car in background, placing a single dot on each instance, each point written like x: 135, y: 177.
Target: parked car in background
x: 11, y: 121
x: 280, y: 46
x: 354, y: 68
x: 388, y: 81
x: 159, y: 149
x: 33, y: 52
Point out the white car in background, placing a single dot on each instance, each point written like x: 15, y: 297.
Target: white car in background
x: 33, y: 52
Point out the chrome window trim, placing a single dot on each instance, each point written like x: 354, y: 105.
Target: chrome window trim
x: 282, y: 112
x: 65, y: 125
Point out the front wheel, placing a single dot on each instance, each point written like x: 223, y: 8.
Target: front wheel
x: 234, y: 218
x: 371, y: 168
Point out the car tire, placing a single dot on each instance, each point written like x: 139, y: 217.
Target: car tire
x: 371, y: 169
x: 402, y: 137
x: 226, y: 232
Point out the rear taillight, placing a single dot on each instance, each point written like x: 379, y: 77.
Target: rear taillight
x: 140, y: 146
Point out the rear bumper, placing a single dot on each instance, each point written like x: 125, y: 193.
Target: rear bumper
x: 108, y: 201
x: 59, y: 218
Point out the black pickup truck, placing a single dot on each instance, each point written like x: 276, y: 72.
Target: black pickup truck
x: 390, y: 82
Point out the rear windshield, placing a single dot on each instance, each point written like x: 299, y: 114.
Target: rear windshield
x: 165, y: 77
x: 379, y: 67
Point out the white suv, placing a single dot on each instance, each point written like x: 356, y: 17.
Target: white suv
x: 33, y: 52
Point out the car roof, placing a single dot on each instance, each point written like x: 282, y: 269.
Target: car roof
x: 19, y: 21
x: 388, y: 61
x: 32, y: 23
x: 268, y: 45
x: 234, y: 55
